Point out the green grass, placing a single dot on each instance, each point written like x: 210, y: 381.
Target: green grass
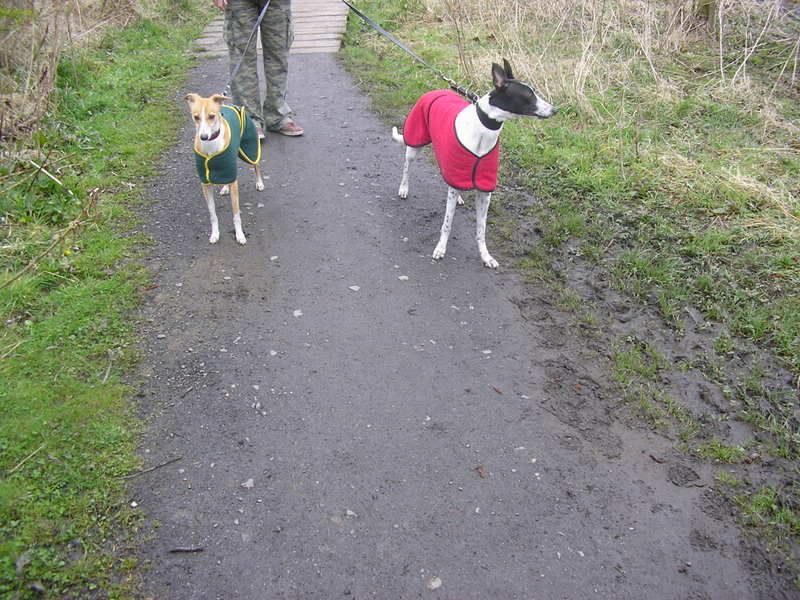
x: 67, y: 428
x: 720, y: 452
x: 771, y: 508
x: 636, y: 367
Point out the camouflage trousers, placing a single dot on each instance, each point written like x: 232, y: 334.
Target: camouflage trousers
x: 276, y: 39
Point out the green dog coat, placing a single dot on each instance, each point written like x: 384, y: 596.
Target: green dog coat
x: 220, y: 168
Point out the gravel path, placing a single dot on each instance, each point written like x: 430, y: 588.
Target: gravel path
x: 355, y: 420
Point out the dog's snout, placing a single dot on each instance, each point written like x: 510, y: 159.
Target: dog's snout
x: 204, y: 137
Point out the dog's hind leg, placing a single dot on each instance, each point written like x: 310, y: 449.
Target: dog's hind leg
x: 208, y: 193
x: 411, y: 154
x: 447, y: 225
x: 481, y: 211
x: 237, y: 218
x: 259, y: 179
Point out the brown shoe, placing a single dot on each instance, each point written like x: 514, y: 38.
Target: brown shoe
x: 289, y: 128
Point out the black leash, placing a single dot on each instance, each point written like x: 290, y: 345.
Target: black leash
x: 463, y: 90
x: 227, y: 90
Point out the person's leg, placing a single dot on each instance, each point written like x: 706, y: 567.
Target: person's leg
x: 240, y: 18
x: 276, y: 39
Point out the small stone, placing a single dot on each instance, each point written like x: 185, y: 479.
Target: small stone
x: 433, y: 583
x: 403, y: 277
x: 260, y: 205
x: 248, y: 484
x: 355, y: 288
x: 134, y: 505
x: 298, y: 313
x: 273, y: 353
x: 273, y: 258
x: 350, y: 513
x: 161, y: 336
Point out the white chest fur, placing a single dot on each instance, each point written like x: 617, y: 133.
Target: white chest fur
x: 472, y: 134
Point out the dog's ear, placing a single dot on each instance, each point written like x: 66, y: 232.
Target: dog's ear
x: 499, y: 76
x: 219, y: 99
x: 192, y: 98
x: 507, y: 68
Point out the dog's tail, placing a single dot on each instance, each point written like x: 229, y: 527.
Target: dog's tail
x: 397, y: 137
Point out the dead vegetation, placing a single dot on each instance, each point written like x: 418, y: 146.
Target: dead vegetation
x: 566, y: 46
x: 33, y: 36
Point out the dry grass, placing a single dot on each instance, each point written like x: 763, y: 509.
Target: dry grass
x: 559, y: 44
x: 33, y: 34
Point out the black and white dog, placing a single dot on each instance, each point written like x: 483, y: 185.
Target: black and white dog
x: 465, y: 140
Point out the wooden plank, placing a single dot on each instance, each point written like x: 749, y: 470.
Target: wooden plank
x: 318, y: 26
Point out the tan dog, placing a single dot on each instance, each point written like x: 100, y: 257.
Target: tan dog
x: 223, y: 134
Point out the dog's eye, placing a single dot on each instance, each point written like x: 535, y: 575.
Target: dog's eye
x: 211, y: 117
x: 196, y: 117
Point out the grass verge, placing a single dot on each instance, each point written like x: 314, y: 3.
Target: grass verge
x: 67, y: 429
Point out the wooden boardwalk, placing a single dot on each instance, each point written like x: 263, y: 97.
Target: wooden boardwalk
x: 318, y: 27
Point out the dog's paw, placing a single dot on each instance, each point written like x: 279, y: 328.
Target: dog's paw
x: 460, y: 200
x: 439, y: 251
x: 489, y: 262
x: 225, y: 190
x: 214, y: 237
x: 260, y: 186
x: 241, y: 239
x: 403, y: 191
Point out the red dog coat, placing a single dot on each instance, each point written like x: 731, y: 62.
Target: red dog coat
x: 433, y: 119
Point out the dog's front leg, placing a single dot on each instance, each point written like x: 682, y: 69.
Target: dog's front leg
x: 208, y: 193
x: 481, y: 211
x: 447, y: 225
x: 411, y: 154
x: 237, y: 218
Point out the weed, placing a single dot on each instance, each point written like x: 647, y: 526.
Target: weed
x: 728, y: 479
x: 769, y: 507
x: 718, y: 451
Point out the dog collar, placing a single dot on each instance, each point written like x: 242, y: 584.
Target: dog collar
x: 486, y: 120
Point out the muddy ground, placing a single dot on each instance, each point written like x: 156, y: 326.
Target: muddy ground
x: 355, y: 420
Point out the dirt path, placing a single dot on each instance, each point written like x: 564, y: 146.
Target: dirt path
x: 407, y: 430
